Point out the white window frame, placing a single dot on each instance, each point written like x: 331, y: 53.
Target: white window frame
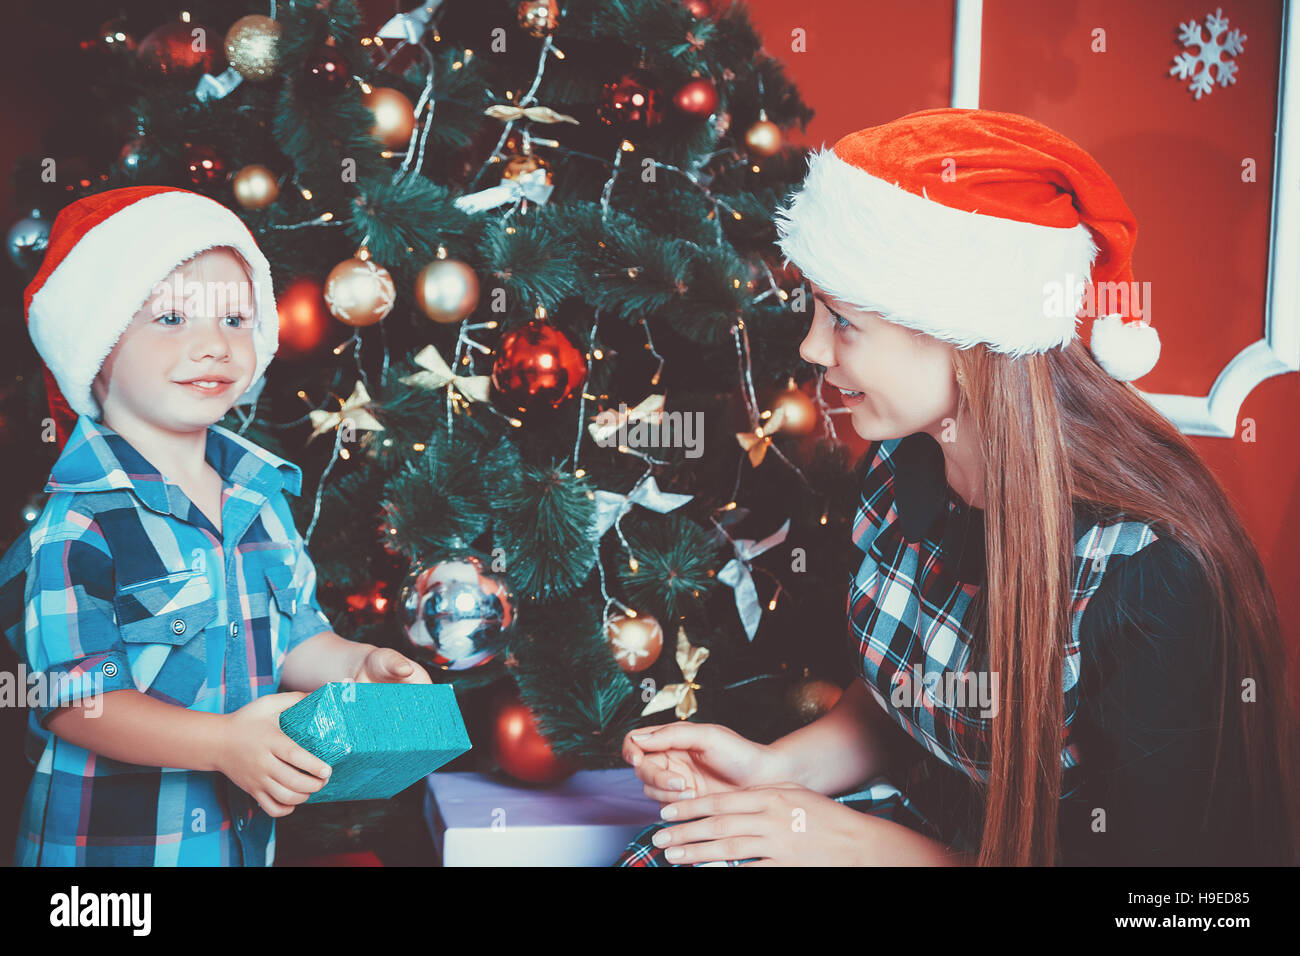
x: 1278, y: 352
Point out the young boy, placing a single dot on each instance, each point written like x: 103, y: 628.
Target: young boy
x: 167, y: 595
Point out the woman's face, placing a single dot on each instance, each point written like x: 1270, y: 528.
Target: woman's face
x: 895, y: 381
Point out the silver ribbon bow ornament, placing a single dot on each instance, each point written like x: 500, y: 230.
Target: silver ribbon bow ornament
x: 736, y: 575
x: 410, y: 26
x: 531, y: 185
x: 610, y: 505
x: 217, y: 87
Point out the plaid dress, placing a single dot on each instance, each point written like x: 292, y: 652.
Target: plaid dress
x: 916, y: 623
x: 123, y: 583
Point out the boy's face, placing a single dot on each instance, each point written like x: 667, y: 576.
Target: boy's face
x: 196, y: 326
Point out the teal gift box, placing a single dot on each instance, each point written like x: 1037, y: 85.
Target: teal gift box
x: 377, y: 738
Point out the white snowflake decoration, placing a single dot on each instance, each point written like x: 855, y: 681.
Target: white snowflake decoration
x: 1186, y: 65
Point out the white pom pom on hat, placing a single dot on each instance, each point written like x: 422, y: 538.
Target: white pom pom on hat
x: 1126, y: 350
x: 973, y: 226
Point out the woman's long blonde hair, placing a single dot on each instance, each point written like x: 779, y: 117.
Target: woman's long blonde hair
x: 1060, y: 429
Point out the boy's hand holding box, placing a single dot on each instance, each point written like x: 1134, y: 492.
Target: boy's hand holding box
x: 377, y: 738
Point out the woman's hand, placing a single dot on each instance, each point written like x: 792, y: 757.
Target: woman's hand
x: 771, y: 825
x: 383, y: 665
x: 262, y: 760
x: 682, y: 760
x: 787, y: 825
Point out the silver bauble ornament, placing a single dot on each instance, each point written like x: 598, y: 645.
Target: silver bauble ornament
x: 27, y: 240
x: 456, y: 613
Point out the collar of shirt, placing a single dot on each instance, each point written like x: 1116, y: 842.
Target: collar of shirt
x: 921, y: 496
x: 96, y: 458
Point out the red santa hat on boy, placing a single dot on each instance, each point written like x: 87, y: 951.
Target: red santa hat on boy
x: 106, y: 255
x: 972, y: 226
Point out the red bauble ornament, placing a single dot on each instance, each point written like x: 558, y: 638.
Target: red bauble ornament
x: 697, y: 98
x: 111, y: 39
x: 181, y: 50
x: 699, y: 9
x: 632, y: 103
x: 203, y: 166
x: 518, y: 747
x: 537, y: 366
x: 305, y: 322
x: 370, y: 603
x: 326, y: 72
x: 538, y: 17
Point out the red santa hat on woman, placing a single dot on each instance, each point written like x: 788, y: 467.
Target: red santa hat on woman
x: 106, y: 255
x: 972, y: 226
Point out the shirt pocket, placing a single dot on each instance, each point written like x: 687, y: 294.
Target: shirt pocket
x: 283, y: 605
x: 162, y: 621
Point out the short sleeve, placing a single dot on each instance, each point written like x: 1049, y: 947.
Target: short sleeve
x: 71, y: 645
x: 1146, y: 724
x: 308, y: 619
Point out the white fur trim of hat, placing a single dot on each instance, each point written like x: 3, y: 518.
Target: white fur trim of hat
x: 962, y: 277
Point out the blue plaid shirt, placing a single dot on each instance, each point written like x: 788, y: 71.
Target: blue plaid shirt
x: 128, y: 584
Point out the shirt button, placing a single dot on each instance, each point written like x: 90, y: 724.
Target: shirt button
x: 239, y: 824
x: 178, y: 626
x: 234, y: 629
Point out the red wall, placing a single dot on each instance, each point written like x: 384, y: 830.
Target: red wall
x: 1178, y: 162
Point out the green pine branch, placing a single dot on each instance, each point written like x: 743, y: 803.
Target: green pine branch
x: 544, y: 522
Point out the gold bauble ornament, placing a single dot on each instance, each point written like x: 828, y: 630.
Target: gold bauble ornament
x: 394, y: 115
x: 539, y: 17
x: 255, y: 186
x: 251, y: 47
x: 447, y: 290
x: 763, y: 138
x: 798, y: 411
x: 520, y: 164
x: 635, y: 642
x: 810, y: 699
x: 359, y: 292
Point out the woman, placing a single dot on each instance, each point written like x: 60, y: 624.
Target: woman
x: 1070, y: 652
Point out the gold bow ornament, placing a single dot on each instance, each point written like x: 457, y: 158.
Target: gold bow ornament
x: 756, y: 442
x: 607, y: 423
x: 681, y: 696
x: 436, y: 373
x: 508, y: 113
x: 354, y: 410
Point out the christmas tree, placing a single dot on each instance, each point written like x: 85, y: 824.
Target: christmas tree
x: 538, y: 351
